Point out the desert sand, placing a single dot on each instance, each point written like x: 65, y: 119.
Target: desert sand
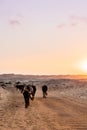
x: 65, y: 107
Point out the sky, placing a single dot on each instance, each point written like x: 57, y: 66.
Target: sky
x: 43, y: 37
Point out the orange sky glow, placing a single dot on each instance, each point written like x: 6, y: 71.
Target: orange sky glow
x: 43, y: 37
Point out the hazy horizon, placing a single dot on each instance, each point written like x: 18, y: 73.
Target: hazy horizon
x: 43, y: 74
x: 43, y: 37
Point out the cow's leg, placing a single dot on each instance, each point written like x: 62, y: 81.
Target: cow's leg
x: 27, y: 102
x: 44, y: 95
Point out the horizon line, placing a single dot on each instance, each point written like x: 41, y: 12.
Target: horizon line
x: 44, y: 74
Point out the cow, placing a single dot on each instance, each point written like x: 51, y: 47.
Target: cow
x: 28, y: 92
x: 20, y: 86
x: 44, y: 90
x: 34, y: 91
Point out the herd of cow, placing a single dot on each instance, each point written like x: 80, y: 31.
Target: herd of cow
x: 29, y: 92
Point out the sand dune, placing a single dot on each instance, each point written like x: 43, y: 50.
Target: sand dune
x: 65, y: 107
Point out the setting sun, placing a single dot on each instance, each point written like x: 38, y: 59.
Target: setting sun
x: 83, y: 66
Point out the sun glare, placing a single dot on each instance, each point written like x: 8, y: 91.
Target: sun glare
x: 83, y: 66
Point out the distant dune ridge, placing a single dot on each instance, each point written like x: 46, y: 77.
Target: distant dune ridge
x: 21, y: 76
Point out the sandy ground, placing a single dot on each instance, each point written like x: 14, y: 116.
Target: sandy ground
x: 63, y: 109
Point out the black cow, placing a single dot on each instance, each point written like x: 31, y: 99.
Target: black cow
x: 34, y: 90
x: 44, y: 90
x: 26, y: 98
x: 28, y: 92
x: 20, y: 87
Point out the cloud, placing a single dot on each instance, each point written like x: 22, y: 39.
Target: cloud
x: 62, y: 25
x: 73, y: 24
x: 73, y: 21
x: 14, y: 22
x: 78, y: 19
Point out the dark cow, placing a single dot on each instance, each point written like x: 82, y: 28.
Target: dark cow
x: 26, y: 98
x: 44, y: 90
x: 28, y: 92
x: 20, y: 87
x: 34, y: 90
